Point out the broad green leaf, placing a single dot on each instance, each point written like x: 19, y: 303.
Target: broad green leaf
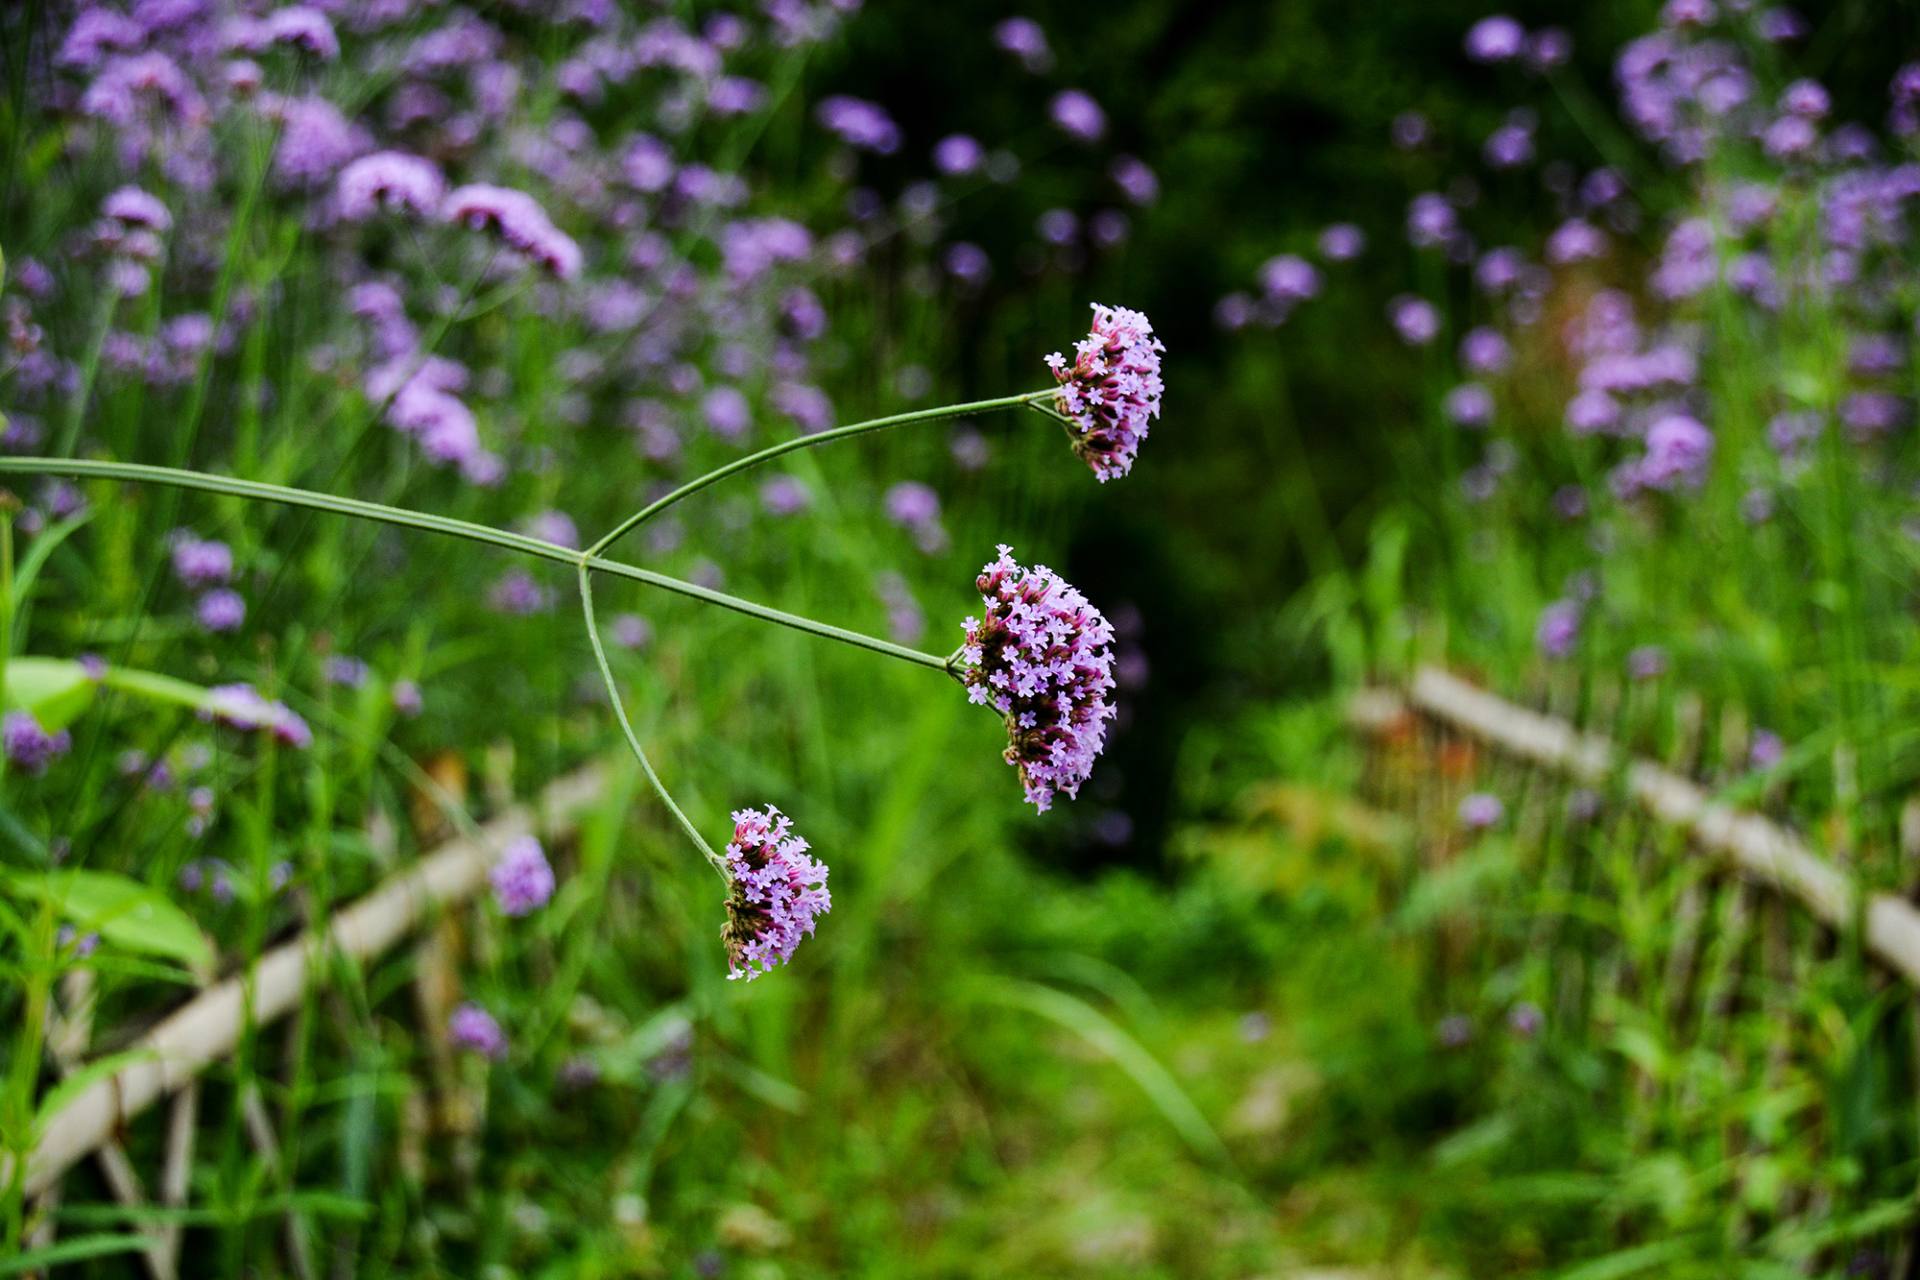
x: 54, y: 690
x: 124, y: 912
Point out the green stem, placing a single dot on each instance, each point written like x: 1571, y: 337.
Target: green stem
x: 626, y: 727
x: 259, y: 491
x: 767, y: 454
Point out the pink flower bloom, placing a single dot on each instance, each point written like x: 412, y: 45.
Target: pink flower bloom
x: 1111, y: 391
x: 1041, y: 656
x: 777, y: 893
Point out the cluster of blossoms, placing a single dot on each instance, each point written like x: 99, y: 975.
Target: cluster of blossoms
x: 29, y: 747
x: 775, y: 892
x: 522, y: 879
x: 205, y: 566
x: 1110, y: 391
x: 1041, y: 656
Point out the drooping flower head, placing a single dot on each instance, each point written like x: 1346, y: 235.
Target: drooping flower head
x: 778, y: 890
x: 1042, y: 656
x: 522, y: 879
x: 1111, y: 390
x: 390, y: 180
x: 519, y: 221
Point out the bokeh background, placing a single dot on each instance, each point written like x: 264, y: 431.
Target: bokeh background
x: 1277, y: 994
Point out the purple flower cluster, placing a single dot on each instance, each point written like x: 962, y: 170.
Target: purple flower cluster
x: 522, y: 879
x: 476, y: 1031
x: 1042, y: 656
x: 776, y: 892
x: 1111, y: 390
x: 29, y: 747
x: 520, y: 223
x: 241, y: 706
x: 390, y: 182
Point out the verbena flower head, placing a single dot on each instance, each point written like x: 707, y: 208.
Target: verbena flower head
x: 1496, y: 39
x: 135, y: 208
x: 1481, y: 810
x: 199, y: 562
x: 475, y: 1030
x: 1111, y: 390
x: 220, y: 610
x: 243, y: 707
x: 519, y: 221
x: 1076, y: 114
x: 522, y: 879
x: 29, y: 747
x: 777, y: 892
x: 390, y: 180
x: 1042, y: 656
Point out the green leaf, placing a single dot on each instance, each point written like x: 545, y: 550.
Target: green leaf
x: 124, y: 912
x: 1127, y: 1053
x: 75, y: 1250
x: 55, y: 691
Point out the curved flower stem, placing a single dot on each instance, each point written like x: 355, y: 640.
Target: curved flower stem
x: 767, y: 454
x: 259, y: 491
x: 626, y: 727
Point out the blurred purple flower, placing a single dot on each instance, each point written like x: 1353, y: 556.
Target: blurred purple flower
x: 1470, y: 405
x: 519, y: 221
x: 133, y: 207
x: 1431, y: 221
x: 859, y: 123
x: 220, y: 610
x: 1480, y: 810
x: 474, y: 1029
x: 1485, y: 351
x: 522, y: 879
x: 29, y: 747
x: 727, y: 413
x: 1289, y: 278
x: 957, y: 155
x: 1136, y: 181
x: 1024, y: 39
x: 1342, y: 242
x: 1647, y: 662
x: 201, y: 563
x: 346, y: 671
x: 1416, y: 320
x: 1077, y: 115
x: 392, y: 181
x: 1496, y: 39
x: 784, y: 495
x: 1558, y: 629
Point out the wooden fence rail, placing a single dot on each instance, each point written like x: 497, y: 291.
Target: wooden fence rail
x: 208, y: 1027
x: 1759, y: 848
